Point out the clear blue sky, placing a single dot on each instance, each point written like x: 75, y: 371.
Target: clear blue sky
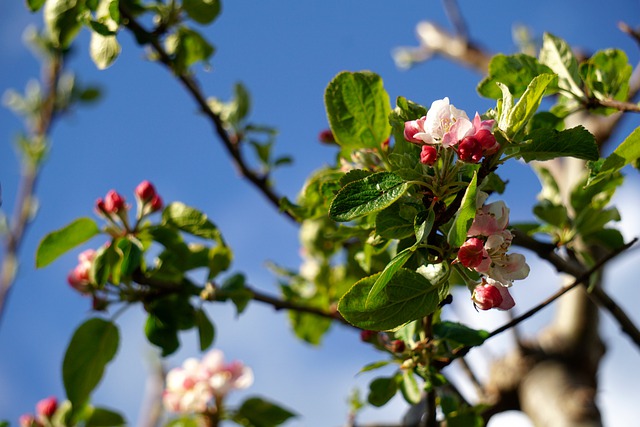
x: 146, y: 127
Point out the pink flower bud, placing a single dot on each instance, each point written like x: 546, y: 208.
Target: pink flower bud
x: 412, y: 128
x: 488, y: 141
x: 428, y: 155
x: 79, y: 277
x: 156, y: 203
x: 367, y: 335
x: 113, y: 202
x: 145, y: 191
x: 47, y: 407
x: 326, y: 137
x: 27, y: 420
x: 490, y: 294
x: 397, y: 346
x: 472, y: 253
x: 100, y: 206
x: 470, y: 150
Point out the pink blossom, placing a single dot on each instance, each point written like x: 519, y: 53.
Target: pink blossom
x: 414, y: 132
x: 442, y: 119
x: 472, y: 253
x: 490, y: 219
x: 27, y: 420
x: 428, y: 155
x: 79, y: 278
x: 470, y: 150
x: 145, y: 191
x: 225, y: 377
x: 47, y: 407
x: 490, y: 294
x: 113, y: 202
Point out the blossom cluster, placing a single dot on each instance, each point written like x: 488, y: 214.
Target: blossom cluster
x: 448, y: 127
x: 485, y: 251
x: 199, y: 385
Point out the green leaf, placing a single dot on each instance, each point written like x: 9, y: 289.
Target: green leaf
x: 465, y: 215
x: 607, y: 75
x: 396, y: 221
x: 185, y: 421
x: 528, y: 104
x: 58, y: 242
x: 358, y: 108
x: 103, y: 50
x: 102, y: 417
x: 460, y: 333
x: 258, y: 412
x: 235, y: 288
x: 627, y: 152
x: 409, y: 387
x: 367, y: 195
x: 106, y: 265
x: 394, y: 265
x: 206, y: 330
x: 381, y: 390
x: 551, y: 213
x: 92, y: 347
x: 557, y: 55
x: 62, y: 19
x: 220, y: 258
x: 187, y: 48
x: 547, y: 144
x: 590, y: 220
x: 162, y: 334
x: 190, y: 220
x: 374, y: 365
x: 407, y: 296
x: 514, y: 71
x: 202, y: 11
x: 35, y: 5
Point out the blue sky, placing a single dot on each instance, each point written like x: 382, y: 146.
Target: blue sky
x: 146, y: 127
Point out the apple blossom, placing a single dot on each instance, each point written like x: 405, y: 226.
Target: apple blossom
x: 470, y: 150
x: 428, y: 155
x: 28, y: 420
x: 490, y: 294
x: 472, y: 253
x: 113, y: 202
x: 79, y: 277
x: 145, y: 191
x: 490, y: 219
x: 47, y: 407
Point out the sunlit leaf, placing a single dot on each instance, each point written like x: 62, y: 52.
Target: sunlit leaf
x: 58, y: 242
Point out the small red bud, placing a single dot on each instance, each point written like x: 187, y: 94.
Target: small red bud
x: 397, y: 346
x: 367, y: 335
x: 47, y: 407
x: 27, y: 420
x: 113, y: 202
x: 428, y: 155
x: 470, y: 150
x: 471, y: 253
x: 155, y: 203
x: 326, y: 137
x: 486, y: 297
x: 488, y: 141
x: 145, y: 191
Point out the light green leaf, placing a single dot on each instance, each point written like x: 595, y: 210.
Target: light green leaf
x: 367, y: 195
x: 202, y: 11
x: 258, y: 412
x: 505, y: 105
x: 58, y: 242
x: 407, y: 296
x: 557, y: 55
x: 409, y: 387
x: 103, y: 50
x: 187, y: 48
x: 394, y: 265
x: 528, y: 104
x: 514, y: 71
x: 465, y: 215
x: 92, y: 347
x: 627, y: 152
x: 547, y: 144
x: 607, y: 75
x: 358, y: 109
x: 190, y: 220
x: 62, y: 19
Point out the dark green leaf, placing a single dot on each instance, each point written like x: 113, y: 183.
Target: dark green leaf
x: 396, y: 221
x: 235, y: 288
x: 464, y: 217
x: 407, y: 296
x: 190, y: 220
x: 206, y: 331
x: 106, y: 265
x: 35, y: 5
x: 101, y: 417
x: 389, y: 271
x: 202, y: 11
x: 162, y: 334
x: 358, y: 108
x: 58, y: 242
x: 551, y: 213
x: 368, y: 195
x: 514, y: 71
x: 92, y: 347
x: 258, y: 412
x: 381, y: 390
x: 460, y: 333
x: 591, y: 220
x: 547, y: 144
x: 187, y: 48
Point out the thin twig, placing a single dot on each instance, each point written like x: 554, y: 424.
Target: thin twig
x: 452, y: 10
x: 612, y: 103
x: 261, y: 182
x: 625, y: 28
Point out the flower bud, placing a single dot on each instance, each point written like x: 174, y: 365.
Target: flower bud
x: 470, y: 150
x: 367, y: 335
x: 472, y: 253
x: 47, y: 407
x: 27, y: 420
x: 156, y: 203
x: 100, y: 209
x: 412, y: 128
x: 397, y: 346
x: 326, y: 137
x: 79, y: 277
x: 488, y: 141
x: 113, y: 202
x: 428, y: 155
x: 145, y: 191
x: 491, y: 294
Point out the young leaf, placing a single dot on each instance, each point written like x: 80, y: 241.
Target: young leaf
x: 381, y: 390
x: 394, y: 265
x: 58, y: 242
x: 258, y: 412
x: 102, y: 417
x: 464, y: 217
x: 358, y: 109
x: 92, y: 347
x: 407, y: 296
x: 460, y: 333
x: 528, y: 104
x: 557, y: 55
x: 234, y: 288
x: 103, y: 50
x: 62, y: 19
x: 190, y: 220
x: 514, y: 71
x: 627, y: 152
x: 607, y: 75
x: 202, y: 11
x: 409, y: 387
x: 187, y: 47
x: 162, y: 334
x: 547, y: 144
x: 206, y: 330
x: 367, y: 195
x: 35, y: 5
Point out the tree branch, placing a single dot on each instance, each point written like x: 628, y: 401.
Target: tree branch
x: 193, y: 88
